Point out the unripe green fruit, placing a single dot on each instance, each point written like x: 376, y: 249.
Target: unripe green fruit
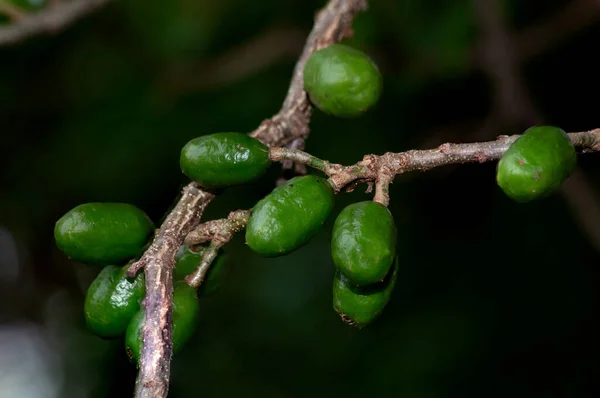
x: 342, y: 81
x: 289, y: 216
x: 224, y: 159
x: 536, y: 164
x: 188, y: 260
x: 363, y: 244
x: 112, y: 300
x: 103, y: 233
x: 185, y: 317
x: 359, y: 306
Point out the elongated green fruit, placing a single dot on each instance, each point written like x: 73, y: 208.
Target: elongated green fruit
x: 363, y: 243
x: 224, y: 159
x: 359, y: 306
x: 290, y: 216
x: 342, y: 81
x: 103, y: 233
x: 188, y: 260
x: 112, y: 300
x: 185, y: 317
x: 536, y: 164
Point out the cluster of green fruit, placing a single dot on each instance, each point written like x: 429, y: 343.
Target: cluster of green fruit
x: 340, y: 81
x: 343, y: 82
x: 113, y: 235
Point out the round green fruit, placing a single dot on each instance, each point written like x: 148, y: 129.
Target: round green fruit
x: 359, y: 306
x: 186, y: 262
x: 363, y: 244
x: 185, y: 317
x: 103, y: 233
x: 342, y: 81
x: 289, y: 216
x: 112, y: 300
x: 536, y: 164
x: 224, y: 159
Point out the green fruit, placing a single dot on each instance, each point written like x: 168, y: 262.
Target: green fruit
x: 185, y: 317
x: 359, y: 306
x: 363, y: 243
x: 224, y: 159
x: 188, y: 260
x: 536, y: 164
x: 342, y: 81
x: 112, y: 300
x: 103, y: 233
x: 289, y: 216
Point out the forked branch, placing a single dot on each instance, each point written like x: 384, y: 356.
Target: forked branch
x: 332, y: 24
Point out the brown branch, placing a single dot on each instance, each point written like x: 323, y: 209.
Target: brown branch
x: 219, y: 232
x: 51, y: 20
x: 382, y: 169
x: 331, y: 25
x: 153, y: 378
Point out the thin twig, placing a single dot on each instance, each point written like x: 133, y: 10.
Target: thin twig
x: 220, y: 232
x: 50, y: 20
x: 381, y: 169
x: 331, y: 25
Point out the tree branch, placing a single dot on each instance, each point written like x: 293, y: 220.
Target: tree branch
x: 379, y: 169
x: 51, y: 20
x: 219, y: 232
x: 382, y: 169
x: 332, y: 24
x: 153, y: 378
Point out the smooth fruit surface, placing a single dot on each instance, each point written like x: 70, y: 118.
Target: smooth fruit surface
x: 112, y: 300
x: 186, y: 262
x: 185, y: 317
x: 289, y: 216
x: 536, y: 164
x: 359, y: 306
x: 342, y: 81
x: 363, y: 243
x: 103, y: 233
x: 224, y: 159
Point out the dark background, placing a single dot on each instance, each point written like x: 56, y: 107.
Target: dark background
x: 494, y: 298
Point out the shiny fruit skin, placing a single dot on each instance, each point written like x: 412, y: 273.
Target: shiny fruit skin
x: 103, y: 233
x: 112, y: 300
x: 363, y: 244
x: 289, y: 216
x: 342, y: 81
x: 536, y: 164
x: 224, y: 159
x: 360, y: 306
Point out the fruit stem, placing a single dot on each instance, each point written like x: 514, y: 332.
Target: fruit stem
x: 298, y: 156
x: 382, y: 185
x: 219, y: 232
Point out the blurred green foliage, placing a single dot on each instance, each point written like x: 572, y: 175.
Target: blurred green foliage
x: 494, y: 298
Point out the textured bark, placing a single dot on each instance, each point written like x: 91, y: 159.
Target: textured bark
x: 332, y: 24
